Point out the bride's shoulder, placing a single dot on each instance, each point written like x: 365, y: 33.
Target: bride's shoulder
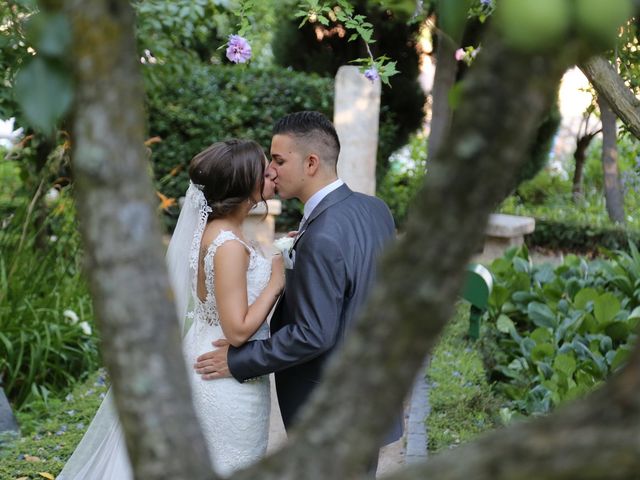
x: 219, y: 234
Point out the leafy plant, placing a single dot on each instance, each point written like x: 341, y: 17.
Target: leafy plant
x: 404, y: 177
x: 46, y: 336
x: 554, y: 333
x: 213, y: 103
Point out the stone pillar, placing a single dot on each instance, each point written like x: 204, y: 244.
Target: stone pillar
x: 356, y: 114
x: 262, y: 231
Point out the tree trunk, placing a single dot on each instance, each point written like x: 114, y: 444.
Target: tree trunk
x: 444, y: 79
x: 421, y: 278
x: 579, y: 156
x: 611, y: 86
x: 591, y: 439
x: 123, y: 250
x: 612, y: 188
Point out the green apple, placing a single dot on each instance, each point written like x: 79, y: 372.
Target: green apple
x: 533, y: 25
x: 598, y: 20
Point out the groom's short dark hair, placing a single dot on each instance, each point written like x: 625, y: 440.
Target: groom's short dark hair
x: 311, y: 126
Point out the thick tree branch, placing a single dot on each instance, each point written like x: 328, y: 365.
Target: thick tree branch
x: 124, y: 253
x: 591, y: 439
x: 611, y: 86
x: 420, y: 279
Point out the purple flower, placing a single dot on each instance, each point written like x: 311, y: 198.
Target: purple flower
x: 486, y: 3
x: 372, y: 74
x: 238, y: 49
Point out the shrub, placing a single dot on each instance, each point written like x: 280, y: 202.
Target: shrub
x: 46, y: 339
x: 579, y: 238
x: 216, y: 103
x: 404, y: 177
x: 554, y: 333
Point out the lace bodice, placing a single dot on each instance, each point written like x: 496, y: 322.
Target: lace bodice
x: 258, y: 275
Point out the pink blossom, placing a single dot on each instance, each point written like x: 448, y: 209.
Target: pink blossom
x: 460, y: 53
x: 238, y: 49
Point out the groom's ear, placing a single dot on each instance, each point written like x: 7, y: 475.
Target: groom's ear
x: 312, y: 164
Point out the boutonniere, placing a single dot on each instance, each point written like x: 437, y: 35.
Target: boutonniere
x: 285, y: 245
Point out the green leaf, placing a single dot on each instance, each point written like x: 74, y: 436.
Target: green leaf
x: 49, y: 33
x: 541, y: 335
x: 565, y: 363
x: 541, y: 315
x: 504, y: 324
x: 452, y: 15
x: 542, y: 351
x: 585, y: 296
x: 44, y: 91
x: 617, y: 331
x: 620, y: 358
x: 605, y: 307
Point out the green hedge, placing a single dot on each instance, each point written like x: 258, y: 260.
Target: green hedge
x: 215, y: 103
x: 579, y: 238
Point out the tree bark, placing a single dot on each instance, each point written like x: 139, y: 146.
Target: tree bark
x: 124, y: 255
x: 611, y: 86
x: 612, y: 187
x: 421, y: 277
x: 443, y: 81
x: 579, y: 156
x: 592, y: 439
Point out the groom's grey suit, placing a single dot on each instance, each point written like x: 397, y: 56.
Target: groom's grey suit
x: 335, y: 268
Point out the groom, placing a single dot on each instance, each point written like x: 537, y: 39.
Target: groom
x: 333, y: 263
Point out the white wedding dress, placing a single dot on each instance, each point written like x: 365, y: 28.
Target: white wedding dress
x: 234, y: 416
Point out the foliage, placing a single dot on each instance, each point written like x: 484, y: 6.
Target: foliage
x: 50, y: 431
x: 43, y: 86
x: 215, y: 103
x: 582, y: 225
x: 13, y: 50
x: 316, y: 48
x: 554, y: 333
x: 175, y: 36
x: 462, y: 403
x: 46, y: 340
x: 579, y: 237
x: 343, y: 14
x: 404, y: 177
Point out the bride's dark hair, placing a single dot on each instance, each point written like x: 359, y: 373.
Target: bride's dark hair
x: 228, y: 172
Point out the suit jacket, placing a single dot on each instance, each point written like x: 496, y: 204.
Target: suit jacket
x: 334, y: 272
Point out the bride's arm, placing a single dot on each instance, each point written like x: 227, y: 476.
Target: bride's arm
x: 238, y: 320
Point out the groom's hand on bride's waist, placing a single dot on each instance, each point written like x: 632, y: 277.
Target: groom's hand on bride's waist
x: 212, y: 365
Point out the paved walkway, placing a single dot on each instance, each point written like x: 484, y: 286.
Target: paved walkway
x: 412, y: 447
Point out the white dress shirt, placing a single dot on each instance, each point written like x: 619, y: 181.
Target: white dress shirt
x: 316, y: 198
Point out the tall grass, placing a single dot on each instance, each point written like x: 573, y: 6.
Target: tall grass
x: 46, y: 337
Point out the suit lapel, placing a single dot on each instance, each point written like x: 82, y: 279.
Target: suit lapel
x: 338, y: 195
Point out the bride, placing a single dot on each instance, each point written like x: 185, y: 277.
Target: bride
x: 224, y: 288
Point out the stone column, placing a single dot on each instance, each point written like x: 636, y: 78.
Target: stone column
x: 356, y: 114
